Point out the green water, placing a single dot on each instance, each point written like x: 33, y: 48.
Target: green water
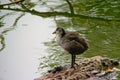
x: 103, y: 36
x: 103, y: 41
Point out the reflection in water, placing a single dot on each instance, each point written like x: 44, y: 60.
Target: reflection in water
x: 24, y: 45
x: 2, y: 41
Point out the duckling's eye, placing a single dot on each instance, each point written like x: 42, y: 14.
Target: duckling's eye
x: 60, y: 30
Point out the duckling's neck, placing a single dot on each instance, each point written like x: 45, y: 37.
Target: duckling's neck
x: 62, y: 34
x: 59, y: 37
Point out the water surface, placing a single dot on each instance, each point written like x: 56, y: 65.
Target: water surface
x: 24, y: 46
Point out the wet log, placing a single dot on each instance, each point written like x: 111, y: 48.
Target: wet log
x: 94, y: 68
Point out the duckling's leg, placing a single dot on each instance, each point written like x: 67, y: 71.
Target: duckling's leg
x: 73, y: 60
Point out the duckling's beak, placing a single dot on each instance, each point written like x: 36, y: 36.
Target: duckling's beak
x: 54, y: 32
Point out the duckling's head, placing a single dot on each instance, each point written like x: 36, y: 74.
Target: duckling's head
x: 59, y: 32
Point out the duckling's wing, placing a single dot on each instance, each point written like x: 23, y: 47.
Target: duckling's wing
x: 78, y: 38
x: 74, y: 36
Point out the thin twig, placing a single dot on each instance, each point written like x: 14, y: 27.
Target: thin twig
x: 23, y: 6
x: 56, y: 21
x: 15, y: 2
x: 70, y: 7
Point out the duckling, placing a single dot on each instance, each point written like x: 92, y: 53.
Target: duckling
x: 72, y: 42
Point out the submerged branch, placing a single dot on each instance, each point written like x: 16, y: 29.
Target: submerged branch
x: 17, y: 19
x: 2, y: 39
x: 14, y: 24
x: 2, y: 42
x: 1, y: 17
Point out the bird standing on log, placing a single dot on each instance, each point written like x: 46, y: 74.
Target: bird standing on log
x: 72, y: 42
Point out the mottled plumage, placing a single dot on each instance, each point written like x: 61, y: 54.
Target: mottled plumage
x: 71, y: 42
